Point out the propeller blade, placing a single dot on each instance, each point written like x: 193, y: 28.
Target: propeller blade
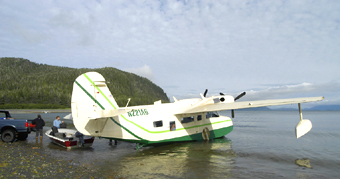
x: 237, y: 97
x: 240, y: 96
x: 205, y: 93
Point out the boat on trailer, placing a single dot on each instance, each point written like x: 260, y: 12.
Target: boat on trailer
x: 67, y: 138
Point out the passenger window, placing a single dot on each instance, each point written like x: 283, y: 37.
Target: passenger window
x: 187, y: 119
x: 172, y: 126
x: 199, y: 117
x: 158, y: 124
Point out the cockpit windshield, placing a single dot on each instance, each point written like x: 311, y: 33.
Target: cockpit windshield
x: 212, y: 114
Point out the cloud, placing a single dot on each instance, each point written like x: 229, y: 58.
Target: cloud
x: 277, y: 91
x: 144, y: 71
x: 328, y: 90
x: 225, y: 46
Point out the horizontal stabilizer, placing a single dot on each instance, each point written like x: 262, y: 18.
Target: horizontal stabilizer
x: 108, y: 113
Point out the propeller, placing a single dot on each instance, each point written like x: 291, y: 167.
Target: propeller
x: 240, y: 96
x: 205, y: 93
x: 236, y: 98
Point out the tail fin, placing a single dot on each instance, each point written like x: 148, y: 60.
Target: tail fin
x: 90, y: 95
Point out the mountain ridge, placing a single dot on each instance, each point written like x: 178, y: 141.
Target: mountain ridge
x: 26, y: 84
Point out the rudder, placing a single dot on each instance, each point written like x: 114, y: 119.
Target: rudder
x: 90, y: 94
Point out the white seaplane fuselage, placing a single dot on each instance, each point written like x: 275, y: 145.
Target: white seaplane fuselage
x: 157, y: 123
x: 96, y: 113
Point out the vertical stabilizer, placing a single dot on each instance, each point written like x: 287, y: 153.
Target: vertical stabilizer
x: 90, y: 95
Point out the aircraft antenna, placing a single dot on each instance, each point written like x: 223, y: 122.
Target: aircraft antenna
x: 128, y: 102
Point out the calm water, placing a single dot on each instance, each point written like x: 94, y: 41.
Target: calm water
x: 262, y: 145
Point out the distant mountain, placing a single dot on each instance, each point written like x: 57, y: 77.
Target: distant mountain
x: 325, y: 108
x: 25, y: 84
x: 255, y: 109
x: 284, y: 109
x: 315, y: 108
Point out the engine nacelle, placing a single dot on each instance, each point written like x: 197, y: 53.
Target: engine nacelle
x: 223, y: 99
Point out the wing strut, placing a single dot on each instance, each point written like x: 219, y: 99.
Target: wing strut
x: 304, y: 126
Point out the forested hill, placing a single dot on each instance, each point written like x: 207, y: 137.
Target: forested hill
x: 24, y: 84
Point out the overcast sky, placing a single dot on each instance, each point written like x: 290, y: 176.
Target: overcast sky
x: 271, y: 49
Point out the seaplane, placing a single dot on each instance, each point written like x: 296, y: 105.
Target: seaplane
x: 96, y: 113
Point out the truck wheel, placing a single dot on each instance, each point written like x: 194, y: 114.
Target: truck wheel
x: 22, y: 136
x: 8, y: 135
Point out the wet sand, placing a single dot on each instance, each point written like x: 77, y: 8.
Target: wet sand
x: 261, y: 146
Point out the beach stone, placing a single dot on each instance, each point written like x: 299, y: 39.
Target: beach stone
x: 303, y: 162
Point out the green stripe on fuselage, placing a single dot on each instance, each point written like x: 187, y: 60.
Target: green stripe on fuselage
x: 88, y: 94
x: 107, y: 99
x: 198, y: 136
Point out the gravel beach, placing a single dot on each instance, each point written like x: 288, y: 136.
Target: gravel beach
x: 21, y: 159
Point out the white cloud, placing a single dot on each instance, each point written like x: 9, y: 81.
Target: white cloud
x: 329, y: 90
x: 144, y: 71
x: 226, y: 46
x: 277, y: 91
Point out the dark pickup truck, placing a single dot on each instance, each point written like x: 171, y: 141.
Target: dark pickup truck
x: 11, y: 129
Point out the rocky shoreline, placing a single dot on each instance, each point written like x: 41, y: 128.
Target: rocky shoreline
x: 20, y: 160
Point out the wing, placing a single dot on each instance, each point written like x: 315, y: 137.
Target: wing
x: 222, y: 106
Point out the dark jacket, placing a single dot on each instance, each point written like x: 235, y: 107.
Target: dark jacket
x: 39, y: 123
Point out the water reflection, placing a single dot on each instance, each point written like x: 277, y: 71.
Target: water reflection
x: 180, y: 160
x: 37, y: 145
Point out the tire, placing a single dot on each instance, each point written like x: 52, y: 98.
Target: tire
x: 22, y: 136
x: 8, y: 135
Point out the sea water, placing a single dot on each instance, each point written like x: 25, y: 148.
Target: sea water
x: 262, y: 145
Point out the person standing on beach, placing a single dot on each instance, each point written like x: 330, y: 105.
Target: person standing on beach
x: 57, y: 122
x: 39, y: 124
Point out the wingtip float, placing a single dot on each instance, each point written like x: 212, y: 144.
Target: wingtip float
x: 96, y: 113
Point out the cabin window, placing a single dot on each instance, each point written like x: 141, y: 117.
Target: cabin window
x: 199, y: 117
x: 187, y: 119
x: 208, y: 115
x: 172, y: 126
x: 158, y: 124
x: 212, y: 114
x: 2, y: 116
x: 215, y: 114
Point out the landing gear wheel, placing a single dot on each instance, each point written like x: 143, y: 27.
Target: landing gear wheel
x: 205, y: 134
x: 8, y: 135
